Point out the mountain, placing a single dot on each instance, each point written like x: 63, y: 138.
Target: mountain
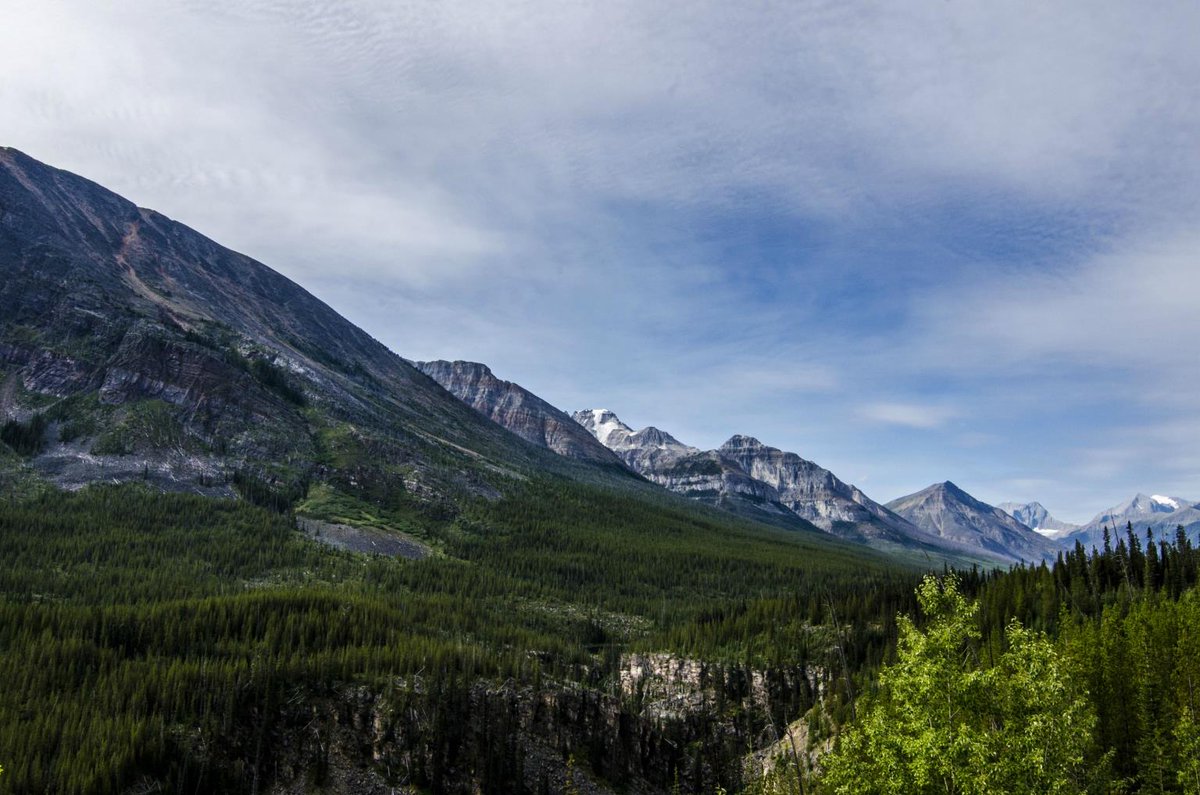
x: 1155, y: 512
x: 702, y: 475
x: 517, y: 409
x: 1035, y: 516
x: 949, y: 512
x: 749, y: 478
x: 134, y: 348
x: 816, y: 494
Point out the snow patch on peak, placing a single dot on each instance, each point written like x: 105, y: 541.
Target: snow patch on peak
x: 1161, y: 500
x: 602, y: 423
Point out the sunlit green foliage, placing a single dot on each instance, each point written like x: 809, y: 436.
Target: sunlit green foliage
x: 942, y: 722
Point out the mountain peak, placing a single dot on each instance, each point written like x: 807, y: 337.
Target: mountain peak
x: 604, y: 425
x: 947, y: 511
x: 741, y: 442
x: 654, y: 437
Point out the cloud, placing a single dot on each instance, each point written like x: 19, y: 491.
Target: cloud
x: 907, y: 415
x: 1127, y: 311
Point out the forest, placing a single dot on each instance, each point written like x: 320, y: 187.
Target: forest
x: 1076, y: 677
x: 173, y: 643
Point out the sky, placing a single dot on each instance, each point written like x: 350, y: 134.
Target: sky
x: 912, y: 242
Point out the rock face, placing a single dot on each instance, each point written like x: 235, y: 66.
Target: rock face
x: 154, y: 352
x: 1159, y: 514
x: 1035, y: 516
x: 517, y: 409
x: 949, y: 512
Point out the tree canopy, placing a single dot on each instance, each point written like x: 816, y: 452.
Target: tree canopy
x: 943, y: 722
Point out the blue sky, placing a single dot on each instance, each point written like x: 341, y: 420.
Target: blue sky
x: 910, y: 241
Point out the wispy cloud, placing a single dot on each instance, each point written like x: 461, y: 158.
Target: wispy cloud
x: 907, y: 415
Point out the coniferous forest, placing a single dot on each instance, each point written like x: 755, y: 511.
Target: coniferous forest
x: 156, y: 640
x: 159, y: 642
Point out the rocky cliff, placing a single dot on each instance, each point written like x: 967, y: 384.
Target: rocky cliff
x: 517, y: 409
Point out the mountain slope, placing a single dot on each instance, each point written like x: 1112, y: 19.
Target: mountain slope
x: 150, y: 352
x: 949, y: 512
x: 1035, y: 516
x: 517, y: 409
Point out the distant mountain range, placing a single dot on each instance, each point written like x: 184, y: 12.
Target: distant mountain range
x: 1159, y: 514
x: 743, y: 476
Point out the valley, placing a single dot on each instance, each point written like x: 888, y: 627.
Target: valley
x: 247, y: 548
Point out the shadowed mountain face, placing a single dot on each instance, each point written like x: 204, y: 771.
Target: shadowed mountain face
x: 518, y: 410
x: 153, y: 352
x: 946, y: 510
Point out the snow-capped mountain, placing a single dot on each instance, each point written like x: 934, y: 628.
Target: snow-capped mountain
x: 703, y: 475
x: 949, y: 512
x: 647, y: 449
x: 1155, y: 512
x: 1035, y: 516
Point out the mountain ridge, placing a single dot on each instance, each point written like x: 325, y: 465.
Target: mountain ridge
x: 744, y: 474
x: 156, y: 354
x: 517, y: 409
x: 1159, y: 514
